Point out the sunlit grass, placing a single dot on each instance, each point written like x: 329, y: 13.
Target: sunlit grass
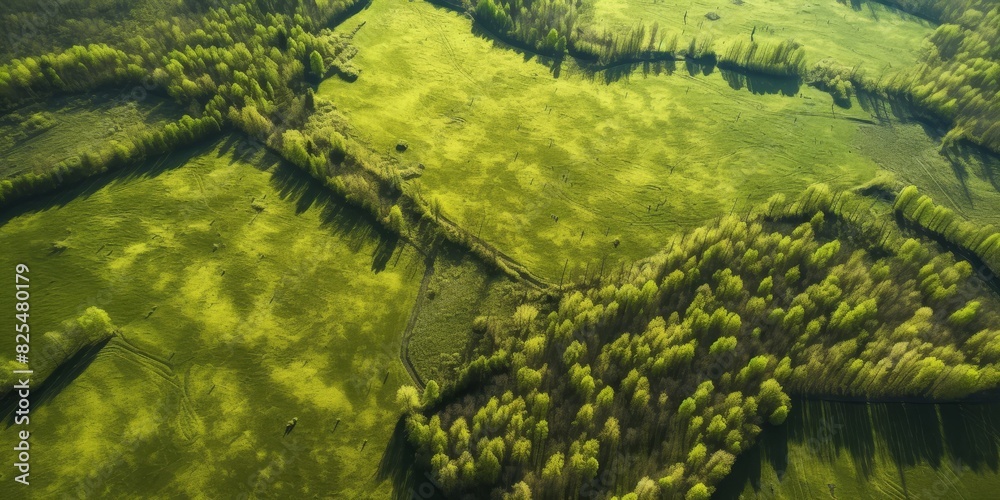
x: 239, y: 322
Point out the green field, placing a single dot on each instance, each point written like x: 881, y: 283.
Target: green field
x: 459, y: 290
x: 509, y: 147
x: 233, y: 322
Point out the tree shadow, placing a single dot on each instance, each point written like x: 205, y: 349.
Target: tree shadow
x: 704, y: 67
x: 884, y: 108
x: 54, y: 384
x: 911, y: 434
x: 145, y: 169
x: 399, y: 465
x: 355, y: 225
x: 761, y: 84
x: 965, y: 156
x: 528, y: 53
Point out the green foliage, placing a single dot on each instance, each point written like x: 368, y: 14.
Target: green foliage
x: 960, y: 75
x: 395, y: 220
x: 980, y: 241
x: 408, y: 398
x: 316, y: 64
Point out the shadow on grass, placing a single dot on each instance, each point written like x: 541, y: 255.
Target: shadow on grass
x: 399, y: 465
x: 965, y: 156
x: 950, y: 435
x: 886, y: 109
x: 148, y: 168
x: 64, y: 375
x: 356, y: 225
x: 554, y: 64
x: 703, y: 67
x: 761, y: 84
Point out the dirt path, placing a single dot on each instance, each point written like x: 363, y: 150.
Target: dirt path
x: 404, y: 346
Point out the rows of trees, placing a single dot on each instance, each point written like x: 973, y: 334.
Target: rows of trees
x: 649, y: 386
x: 552, y: 27
x: 786, y: 58
x: 545, y: 26
x: 981, y: 241
x: 114, y: 155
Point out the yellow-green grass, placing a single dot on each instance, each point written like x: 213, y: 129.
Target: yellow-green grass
x: 885, y: 450
x: 234, y: 322
x: 459, y: 290
x: 878, y: 38
x: 76, y: 125
x: 634, y: 160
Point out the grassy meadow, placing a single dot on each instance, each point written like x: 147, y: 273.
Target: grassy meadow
x: 246, y: 295
x: 460, y: 290
x: 38, y: 136
x: 554, y: 165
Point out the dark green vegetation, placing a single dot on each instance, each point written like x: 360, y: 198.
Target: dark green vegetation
x: 242, y: 64
x: 872, y: 450
x: 680, y: 360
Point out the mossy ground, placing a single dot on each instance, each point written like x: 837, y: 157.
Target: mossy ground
x: 233, y: 322
x: 553, y: 165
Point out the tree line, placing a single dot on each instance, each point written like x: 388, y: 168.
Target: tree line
x: 981, y: 241
x: 958, y: 78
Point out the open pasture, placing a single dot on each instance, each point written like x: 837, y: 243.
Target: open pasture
x: 246, y: 296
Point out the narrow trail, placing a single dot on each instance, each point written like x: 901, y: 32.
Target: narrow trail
x: 404, y: 345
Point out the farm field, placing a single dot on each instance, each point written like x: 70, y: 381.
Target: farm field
x: 233, y: 322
